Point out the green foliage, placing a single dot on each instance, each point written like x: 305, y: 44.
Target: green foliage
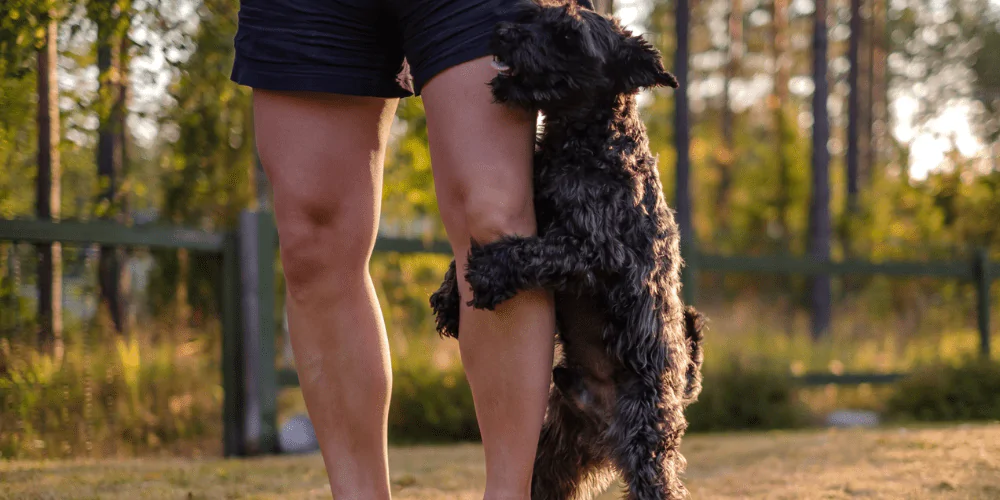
x: 949, y: 392
x: 431, y: 405
x: 207, y: 171
x: 403, y: 283
x: 742, y: 395
x: 22, y: 32
x: 769, y: 190
x: 17, y: 311
x: 17, y: 146
x: 987, y: 70
x: 111, y: 397
x: 431, y: 399
x: 408, y: 191
x: 200, y: 173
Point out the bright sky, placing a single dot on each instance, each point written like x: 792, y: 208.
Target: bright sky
x: 928, y: 146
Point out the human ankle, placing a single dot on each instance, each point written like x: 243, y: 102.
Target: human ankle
x: 490, y: 495
x: 507, y: 492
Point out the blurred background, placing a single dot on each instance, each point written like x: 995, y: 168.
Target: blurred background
x: 122, y: 111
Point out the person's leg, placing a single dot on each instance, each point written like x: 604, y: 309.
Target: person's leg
x: 481, y: 154
x: 323, y: 154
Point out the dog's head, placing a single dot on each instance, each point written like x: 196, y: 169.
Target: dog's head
x: 554, y: 56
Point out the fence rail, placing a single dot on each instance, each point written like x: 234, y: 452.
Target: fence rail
x: 247, y: 256
x: 798, y: 265
x: 979, y: 270
x: 111, y: 234
x: 221, y: 244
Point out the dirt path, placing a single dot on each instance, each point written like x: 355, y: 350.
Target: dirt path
x: 960, y: 462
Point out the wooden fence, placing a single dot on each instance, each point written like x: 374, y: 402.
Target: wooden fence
x: 250, y: 378
x: 223, y: 246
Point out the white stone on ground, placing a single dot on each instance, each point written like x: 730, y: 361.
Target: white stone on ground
x: 852, y: 418
x: 298, y: 435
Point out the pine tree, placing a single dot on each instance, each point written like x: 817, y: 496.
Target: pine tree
x: 47, y: 189
x: 819, y: 203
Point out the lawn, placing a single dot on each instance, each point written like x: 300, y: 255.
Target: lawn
x: 893, y: 463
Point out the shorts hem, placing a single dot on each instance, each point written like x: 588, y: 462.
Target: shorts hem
x: 475, y: 48
x: 332, y: 83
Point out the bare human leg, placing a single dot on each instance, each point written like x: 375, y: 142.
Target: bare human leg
x: 323, y: 154
x: 482, y: 159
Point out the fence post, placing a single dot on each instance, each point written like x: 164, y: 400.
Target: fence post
x: 257, y: 253
x: 267, y: 243
x: 233, y: 407
x: 983, y: 280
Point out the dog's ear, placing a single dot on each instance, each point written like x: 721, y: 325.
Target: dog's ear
x: 521, y: 10
x: 640, y: 66
x: 571, y: 9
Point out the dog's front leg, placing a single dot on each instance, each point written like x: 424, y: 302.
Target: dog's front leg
x: 499, y: 270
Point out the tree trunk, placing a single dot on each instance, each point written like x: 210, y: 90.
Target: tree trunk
x: 47, y: 197
x: 780, y: 103
x: 123, y: 204
x: 878, y: 96
x: 854, y: 110
x: 605, y: 7
x: 121, y: 116
x: 682, y: 133
x: 781, y: 54
x: 864, y: 94
x: 819, y: 204
x: 110, y: 157
x: 682, y: 141
x: 726, y: 157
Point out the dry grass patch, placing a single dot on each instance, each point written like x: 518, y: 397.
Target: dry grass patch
x: 958, y: 462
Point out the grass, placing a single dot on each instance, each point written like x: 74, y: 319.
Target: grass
x: 956, y: 462
x: 160, y: 391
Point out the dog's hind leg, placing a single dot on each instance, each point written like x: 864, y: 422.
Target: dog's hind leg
x: 567, y: 465
x: 446, y: 304
x: 694, y: 323
x: 646, y: 435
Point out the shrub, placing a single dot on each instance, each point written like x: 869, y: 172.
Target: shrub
x: 949, y: 392
x: 116, y: 397
x: 431, y: 405
x: 434, y: 405
x: 743, y: 395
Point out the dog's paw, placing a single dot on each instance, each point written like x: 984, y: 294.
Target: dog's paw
x: 487, y: 292
x: 485, y: 276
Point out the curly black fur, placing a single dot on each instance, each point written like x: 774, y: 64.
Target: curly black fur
x: 608, y: 246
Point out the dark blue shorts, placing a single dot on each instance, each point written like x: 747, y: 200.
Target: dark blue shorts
x: 357, y: 47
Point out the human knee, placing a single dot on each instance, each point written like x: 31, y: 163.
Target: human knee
x: 489, y: 218
x: 323, y: 247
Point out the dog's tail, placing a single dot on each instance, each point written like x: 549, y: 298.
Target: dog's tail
x: 694, y: 323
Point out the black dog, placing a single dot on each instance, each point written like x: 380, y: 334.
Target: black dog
x: 608, y: 247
